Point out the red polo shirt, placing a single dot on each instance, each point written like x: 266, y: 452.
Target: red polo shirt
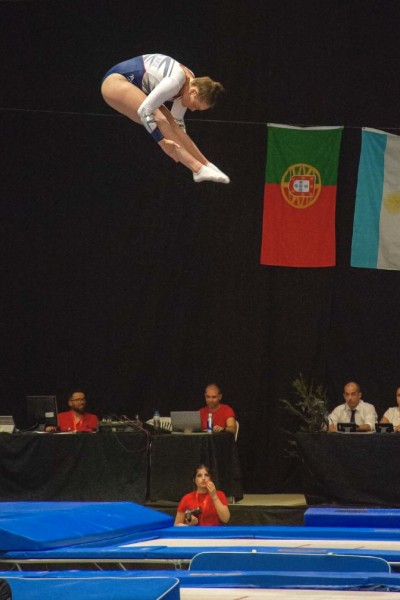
x: 66, y: 422
x: 220, y: 416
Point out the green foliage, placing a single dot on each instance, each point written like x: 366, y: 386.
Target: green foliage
x: 310, y: 406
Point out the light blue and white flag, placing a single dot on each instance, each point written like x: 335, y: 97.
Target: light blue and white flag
x: 376, y: 227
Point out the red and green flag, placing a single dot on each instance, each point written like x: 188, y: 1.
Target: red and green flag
x: 300, y: 196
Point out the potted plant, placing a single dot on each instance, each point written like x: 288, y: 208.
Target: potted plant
x: 310, y: 405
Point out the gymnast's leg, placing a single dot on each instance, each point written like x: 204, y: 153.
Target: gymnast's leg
x: 183, y: 139
x: 126, y: 98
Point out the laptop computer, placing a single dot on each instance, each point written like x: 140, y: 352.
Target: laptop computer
x: 7, y: 424
x: 185, y: 421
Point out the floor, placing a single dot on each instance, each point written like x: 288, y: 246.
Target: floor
x: 291, y: 500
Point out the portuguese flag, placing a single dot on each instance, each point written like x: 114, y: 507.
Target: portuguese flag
x: 300, y: 196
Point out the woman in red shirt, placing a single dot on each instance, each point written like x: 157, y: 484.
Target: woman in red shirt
x: 210, y: 505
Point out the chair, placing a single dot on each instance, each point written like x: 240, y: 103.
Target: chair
x: 165, y: 423
x: 231, y: 499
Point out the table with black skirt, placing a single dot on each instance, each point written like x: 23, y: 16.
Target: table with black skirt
x: 173, y: 458
x: 74, y: 467
x: 351, y: 468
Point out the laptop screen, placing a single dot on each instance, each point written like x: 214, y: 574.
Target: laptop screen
x: 7, y: 424
x: 186, y: 421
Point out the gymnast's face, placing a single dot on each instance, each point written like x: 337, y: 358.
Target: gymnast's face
x: 192, y: 101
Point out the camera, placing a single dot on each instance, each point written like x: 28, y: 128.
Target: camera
x: 194, y: 512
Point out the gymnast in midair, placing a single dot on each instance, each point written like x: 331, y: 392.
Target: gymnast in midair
x: 138, y: 88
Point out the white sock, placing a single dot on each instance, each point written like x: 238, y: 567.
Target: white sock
x: 207, y: 173
x: 212, y: 166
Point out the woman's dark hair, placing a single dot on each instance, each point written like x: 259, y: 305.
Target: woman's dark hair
x: 201, y: 466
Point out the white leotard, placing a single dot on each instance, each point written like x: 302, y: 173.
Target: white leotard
x: 163, y: 79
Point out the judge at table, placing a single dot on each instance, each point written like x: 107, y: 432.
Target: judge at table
x: 222, y: 414
x: 77, y: 419
x: 392, y: 415
x: 353, y: 410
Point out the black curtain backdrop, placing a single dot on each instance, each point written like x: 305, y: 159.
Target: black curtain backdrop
x: 123, y: 276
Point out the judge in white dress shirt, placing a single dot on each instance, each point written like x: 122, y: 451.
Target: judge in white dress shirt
x: 354, y: 410
x: 392, y: 415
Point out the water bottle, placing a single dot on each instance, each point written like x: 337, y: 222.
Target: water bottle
x: 209, y: 423
x: 156, y: 420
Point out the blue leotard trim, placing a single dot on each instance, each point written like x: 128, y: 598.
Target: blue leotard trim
x: 133, y: 69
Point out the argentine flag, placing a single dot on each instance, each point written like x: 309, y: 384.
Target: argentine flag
x: 376, y: 227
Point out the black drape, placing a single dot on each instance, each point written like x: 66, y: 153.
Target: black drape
x: 334, y: 468
x: 172, y: 458
x: 78, y: 467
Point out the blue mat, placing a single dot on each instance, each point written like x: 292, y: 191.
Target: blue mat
x: 267, y: 561
x: 49, y: 525
x: 117, y: 549
x: 95, y: 587
x: 385, y: 518
x: 137, y: 584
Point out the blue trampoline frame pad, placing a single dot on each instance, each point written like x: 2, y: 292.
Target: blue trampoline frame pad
x: 144, y: 586
x: 45, y: 525
x: 383, y: 518
x: 93, y: 586
x: 183, y: 543
x: 309, y: 557
x: 122, y: 532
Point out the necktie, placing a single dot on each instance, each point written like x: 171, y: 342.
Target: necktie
x: 353, y: 416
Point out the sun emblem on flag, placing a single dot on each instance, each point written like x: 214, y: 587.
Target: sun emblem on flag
x: 392, y: 202
x: 301, y: 185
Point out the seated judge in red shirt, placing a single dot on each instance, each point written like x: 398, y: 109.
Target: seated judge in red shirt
x: 222, y: 414
x: 77, y: 419
x: 210, y: 505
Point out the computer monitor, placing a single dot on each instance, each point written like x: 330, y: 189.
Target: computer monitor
x: 186, y: 421
x: 41, y: 411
